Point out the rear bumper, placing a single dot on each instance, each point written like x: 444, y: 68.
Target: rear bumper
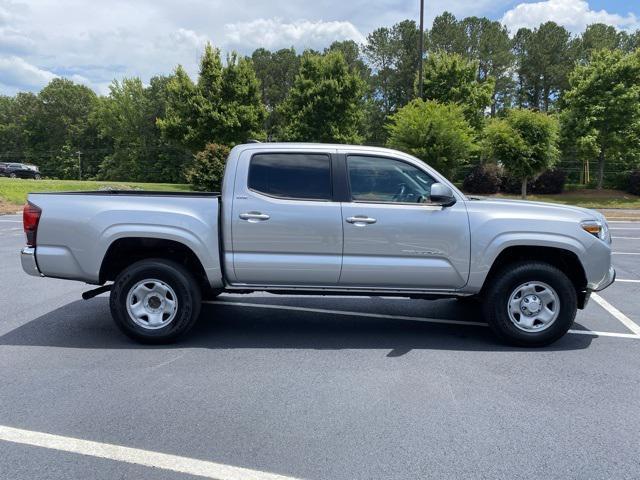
x: 29, y: 264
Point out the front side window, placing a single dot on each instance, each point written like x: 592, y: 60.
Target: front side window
x: 302, y: 176
x: 379, y: 179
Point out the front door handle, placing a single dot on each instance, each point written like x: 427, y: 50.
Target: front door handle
x: 253, y: 217
x: 361, y: 220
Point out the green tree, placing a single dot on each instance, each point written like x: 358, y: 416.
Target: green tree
x: 325, y: 103
x: 224, y: 106
x: 452, y: 78
x: 178, y: 124
x: 276, y: 72
x: 206, y: 171
x: 393, y: 57
x: 481, y: 40
x: 545, y: 59
x: 59, y: 125
x: 599, y: 36
x: 352, y: 55
x: 436, y: 133
x: 17, y: 116
x: 524, y: 142
x: 127, y: 118
x: 488, y: 42
x: 447, y: 35
x: 603, y: 106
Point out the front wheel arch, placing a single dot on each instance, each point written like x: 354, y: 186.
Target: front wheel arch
x: 562, y: 259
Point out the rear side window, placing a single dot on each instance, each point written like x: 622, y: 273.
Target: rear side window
x: 303, y: 176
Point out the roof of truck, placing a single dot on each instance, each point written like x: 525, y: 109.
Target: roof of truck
x: 303, y: 145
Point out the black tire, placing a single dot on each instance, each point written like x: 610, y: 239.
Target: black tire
x: 507, y: 281
x: 469, y: 300
x: 178, y: 279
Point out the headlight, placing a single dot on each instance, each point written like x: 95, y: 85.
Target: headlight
x: 597, y: 228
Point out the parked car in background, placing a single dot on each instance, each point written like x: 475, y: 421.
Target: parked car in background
x: 299, y: 218
x: 19, y: 170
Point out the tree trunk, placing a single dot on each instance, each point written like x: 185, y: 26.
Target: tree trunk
x: 601, y: 168
x: 545, y: 100
x: 493, y: 104
x: 524, y: 188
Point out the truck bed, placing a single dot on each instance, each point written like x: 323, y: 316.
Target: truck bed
x: 76, y: 229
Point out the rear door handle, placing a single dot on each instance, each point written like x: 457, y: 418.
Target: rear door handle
x: 253, y: 217
x: 361, y: 220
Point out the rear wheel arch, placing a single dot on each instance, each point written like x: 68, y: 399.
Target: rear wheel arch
x: 125, y: 251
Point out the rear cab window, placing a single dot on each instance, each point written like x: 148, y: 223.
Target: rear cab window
x: 296, y: 176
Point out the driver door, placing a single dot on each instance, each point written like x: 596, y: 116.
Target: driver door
x: 393, y: 237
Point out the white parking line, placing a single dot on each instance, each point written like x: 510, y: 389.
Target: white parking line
x: 626, y: 280
x: 627, y: 238
x: 625, y: 253
x: 11, y: 221
x: 626, y: 321
x: 624, y: 228
x: 174, y: 463
x: 402, y: 317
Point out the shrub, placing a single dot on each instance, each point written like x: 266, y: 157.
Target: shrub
x: 634, y: 183
x: 511, y: 184
x: 206, y: 170
x: 551, y: 181
x: 483, y: 179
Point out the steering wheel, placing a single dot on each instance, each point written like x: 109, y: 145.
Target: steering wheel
x: 402, y: 188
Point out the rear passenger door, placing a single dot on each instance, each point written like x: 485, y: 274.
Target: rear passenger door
x: 286, y: 226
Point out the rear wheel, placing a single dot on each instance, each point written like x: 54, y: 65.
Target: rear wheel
x: 530, y: 304
x: 155, y: 301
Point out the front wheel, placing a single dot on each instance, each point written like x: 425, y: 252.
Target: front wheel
x: 155, y: 301
x: 530, y: 304
x: 13, y: 175
x: 37, y: 176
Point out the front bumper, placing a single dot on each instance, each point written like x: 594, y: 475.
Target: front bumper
x: 29, y: 264
x: 606, y: 281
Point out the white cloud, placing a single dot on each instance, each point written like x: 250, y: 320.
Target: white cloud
x: 275, y: 33
x: 16, y: 72
x: 96, y: 41
x: 575, y: 15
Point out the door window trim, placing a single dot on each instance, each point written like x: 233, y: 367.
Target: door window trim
x: 380, y: 202
x: 329, y: 155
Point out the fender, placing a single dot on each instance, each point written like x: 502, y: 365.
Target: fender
x: 483, y: 257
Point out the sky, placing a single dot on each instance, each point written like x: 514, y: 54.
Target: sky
x: 95, y: 41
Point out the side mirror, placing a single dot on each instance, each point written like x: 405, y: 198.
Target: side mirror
x: 442, y: 195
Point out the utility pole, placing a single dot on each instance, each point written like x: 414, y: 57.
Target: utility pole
x: 420, y: 53
x: 79, y: 165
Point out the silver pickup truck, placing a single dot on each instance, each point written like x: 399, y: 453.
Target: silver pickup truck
x: 322, y: 219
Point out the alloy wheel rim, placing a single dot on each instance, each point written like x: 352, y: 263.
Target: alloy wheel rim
x: 152, y: 304
x: 533, y: 306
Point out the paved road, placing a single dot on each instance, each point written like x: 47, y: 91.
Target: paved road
x: 318, y: 395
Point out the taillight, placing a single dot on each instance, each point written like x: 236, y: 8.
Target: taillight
x: 30, y: 218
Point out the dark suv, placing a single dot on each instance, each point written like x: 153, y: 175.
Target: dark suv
x: 19, y: 170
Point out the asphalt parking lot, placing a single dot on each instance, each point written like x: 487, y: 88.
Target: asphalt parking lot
x: 284, y: 387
